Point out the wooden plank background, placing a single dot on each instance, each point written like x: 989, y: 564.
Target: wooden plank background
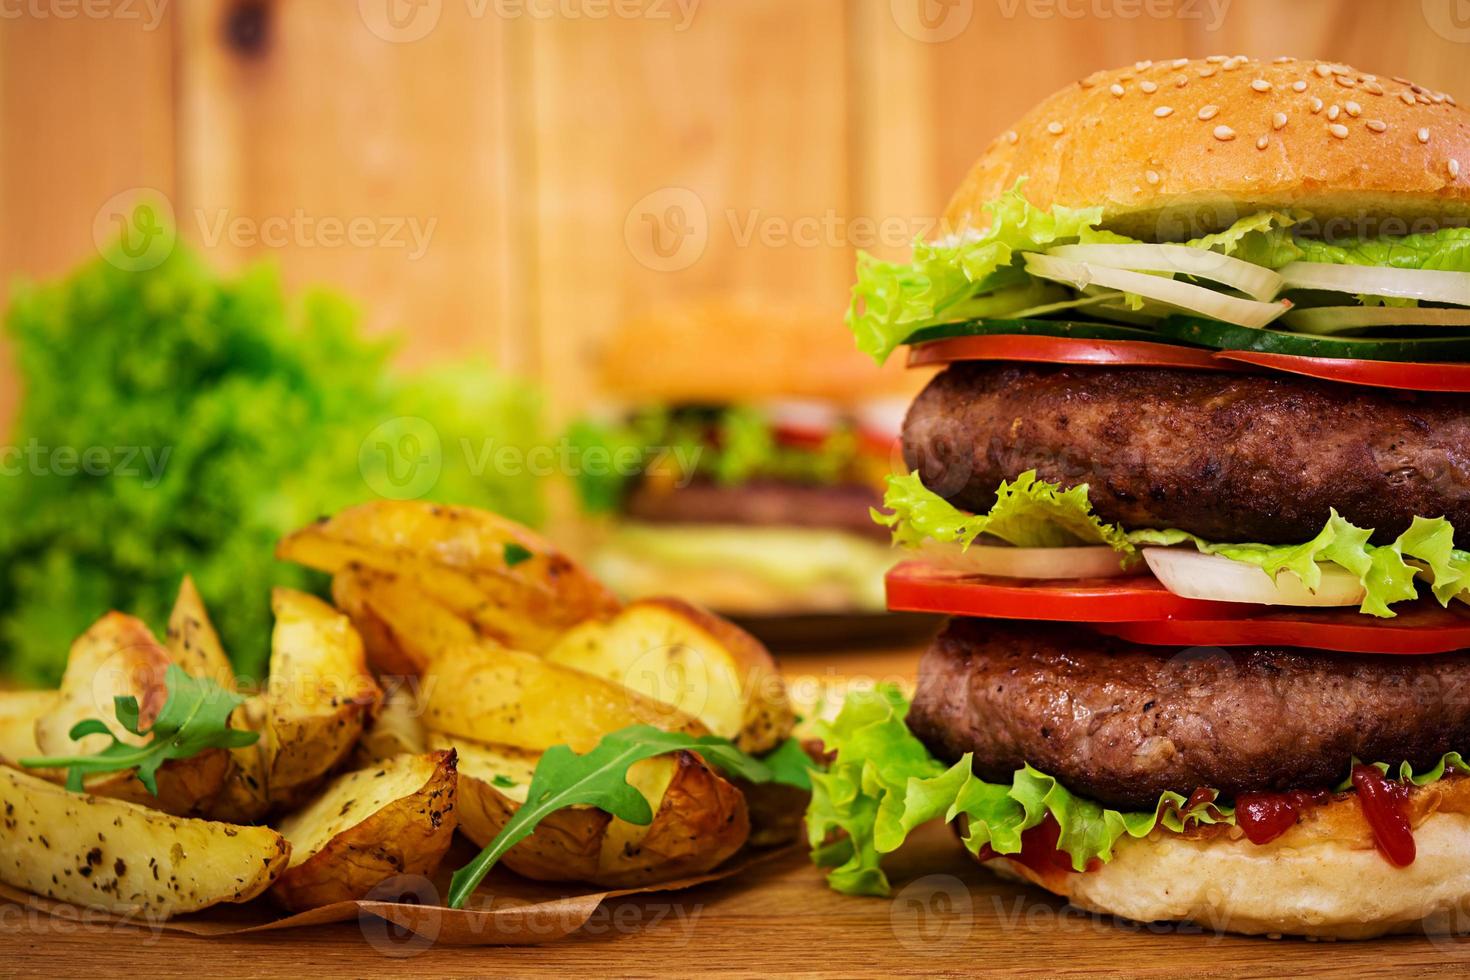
x: 539, y: 145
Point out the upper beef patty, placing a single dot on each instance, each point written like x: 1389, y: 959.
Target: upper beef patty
x: 1122, y: 723
x: 1228, y: 457
x: 844, y: 507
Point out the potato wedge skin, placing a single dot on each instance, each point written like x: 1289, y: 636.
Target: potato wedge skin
x: 678, y: 653
x: 192, y: 641
x: 102, y: 853
x: 397, y: 730
x: 505, y: 697
x: 319, y: 698
x: 119, y: 656
x: 19, y: 711
x: 403, y: 628
x: 407, y: 835
x: 457, y: 556
x: 243, y: 798
x: 700, y: 820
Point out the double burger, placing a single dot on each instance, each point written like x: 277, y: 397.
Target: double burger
x: 742, y: 468
x: 1194, y: 488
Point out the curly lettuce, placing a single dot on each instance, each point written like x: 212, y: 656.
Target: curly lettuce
x: 1033, y: 513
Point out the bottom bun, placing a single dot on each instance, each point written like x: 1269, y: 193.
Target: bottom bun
x: 1298, y: 885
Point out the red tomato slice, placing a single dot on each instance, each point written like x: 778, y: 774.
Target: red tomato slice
x: 1419, y: 628
x: 916, y: 587
x: 1410, y: 375
x: 1064, y: 350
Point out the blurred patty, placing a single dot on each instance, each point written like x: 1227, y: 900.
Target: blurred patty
x: 1228, y: 457
x: 764, y: 503
x: 1121, y: 723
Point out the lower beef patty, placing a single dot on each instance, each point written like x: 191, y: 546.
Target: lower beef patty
x: 843, y: 507
x: 1122, y: 723
x: 1228, y: 457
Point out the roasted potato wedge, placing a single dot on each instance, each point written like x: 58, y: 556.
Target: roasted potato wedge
x: 505, y: 697
x: 319, y: 698
x: 514, y: 586
x: 192, y: 641
x: 244, y: 797
x: 676, y: 653
x: 403, y: 628
x: 126, y: 859
x: 397, y: 729
x: 699, y: 820
x: 19, y: 712
x: 117, y: 657
x: 366, y: 827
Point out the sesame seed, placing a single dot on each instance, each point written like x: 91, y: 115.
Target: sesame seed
x: 1263, y: 142
x: 1224, y: 133
x: 1423, y: 135
x: 1407, y: 96
x: 1278, y: 121
x: 1216, y: 59
x: 1316, y: 105
x: 1011, y: 136
x: 1261, y: 85
x: 1149, y: 87
x: 1299, y: 86
x: 1353, y: 109
x: 1151, y: 176
x: 1234, y: 63
x: 1324, y: 70
x: 1209, y: 112
x: 1180, y: 62
x: 1450, y: 99
x: 1284, y: 59
x: 1377, y: 125
x: 1116, y: 89
x: 1141, y: 65
x: 1338, y: 130
x: 1401, y: 80
x: 1346, y: 81
x: 1181, y: 81
x: 1374, y: 87
x: 1438, y: 98
x: 1163, y: 111
x: 1454, y: 169
x: 1055, y: 128
x: 1206, y: 72
x: 1424, y: 99
x: 1334, y: 112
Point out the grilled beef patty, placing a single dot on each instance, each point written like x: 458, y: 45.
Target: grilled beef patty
x: 1228, y: 457
x: 1120, y: 723
x: 762, y: 503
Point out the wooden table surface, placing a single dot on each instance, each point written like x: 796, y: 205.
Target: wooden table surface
x: 947, y: 917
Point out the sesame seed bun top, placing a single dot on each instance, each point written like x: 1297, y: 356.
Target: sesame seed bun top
x: 1173, y: 149
x: 733, y: 351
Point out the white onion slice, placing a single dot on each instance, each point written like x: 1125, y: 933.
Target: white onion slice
x: 1253, y: 280
x: 1433, y: 285
x: 1188, y: 573
x: 1004, y: 561
x: 1180, y: 295
x: 1327, y: 320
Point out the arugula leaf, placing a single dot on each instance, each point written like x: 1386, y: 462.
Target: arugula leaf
x: 515, y: 554
x: 194, y: 719
x: 790, y: 765
x: 600, y: 778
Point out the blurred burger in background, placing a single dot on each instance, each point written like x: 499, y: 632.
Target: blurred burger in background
x: 735, y: 460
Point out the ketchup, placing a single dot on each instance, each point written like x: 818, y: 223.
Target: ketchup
x: 1263, y: 817
x: 1383, y: 803
x: 1039, y: 851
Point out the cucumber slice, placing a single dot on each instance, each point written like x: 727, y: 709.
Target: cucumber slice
x: 1075, y: 329
x: 1226, y: 336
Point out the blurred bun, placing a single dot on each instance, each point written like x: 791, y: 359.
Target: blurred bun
x: 1173, y: 149
x: 732, y: 352
x: 1322, y: 879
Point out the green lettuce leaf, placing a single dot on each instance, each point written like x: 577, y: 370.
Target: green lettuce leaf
x: 1263, y: 238
x: 1028, y: 513
x: 1446, y: 249
x: 964, y: 278
x: 883, y: 783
